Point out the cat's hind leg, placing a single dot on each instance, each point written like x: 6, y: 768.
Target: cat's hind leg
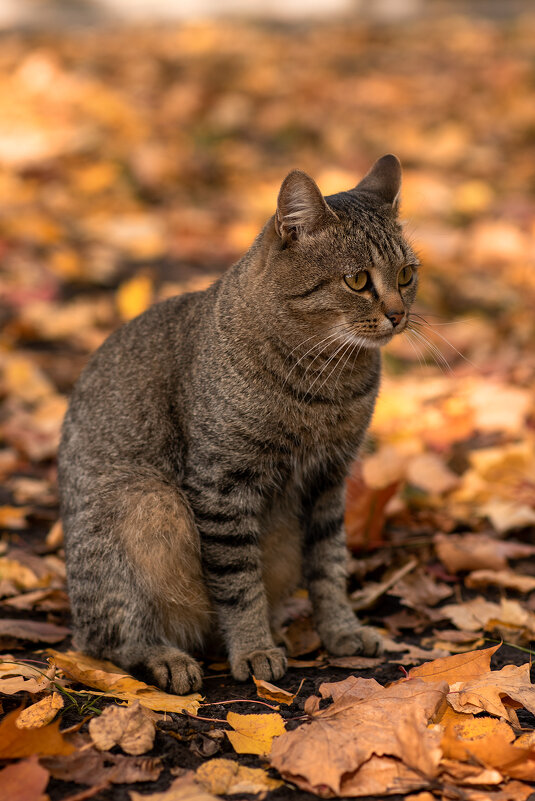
x: 135, y: 581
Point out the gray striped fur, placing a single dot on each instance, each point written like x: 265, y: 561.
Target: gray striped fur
x: 206, y: 446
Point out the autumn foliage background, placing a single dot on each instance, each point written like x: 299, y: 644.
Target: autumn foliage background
x: 137, y: 163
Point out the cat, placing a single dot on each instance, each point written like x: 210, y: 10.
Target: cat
x: 205, y: 449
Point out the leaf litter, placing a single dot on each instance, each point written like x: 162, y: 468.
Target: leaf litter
x: 441, y: 509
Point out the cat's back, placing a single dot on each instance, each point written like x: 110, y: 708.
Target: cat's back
x: 121, y: 404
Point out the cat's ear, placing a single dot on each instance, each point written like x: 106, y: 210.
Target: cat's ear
x: 383, y: 180
x: 301, y: 208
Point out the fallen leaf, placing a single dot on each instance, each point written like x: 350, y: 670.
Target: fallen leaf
x: 365, y: 510
x: 40, y: 713
x: 32, y: 631
x: 509, y: 617
x: 459, y: 667
x: 420, y: 589
x: 13, y: 517
x: 272, y: 693
x: 367, y: 597
x: 301, y: 637
x: 134, y: 296
x: 356, y: 662
x: 253, y: 734
x: 478, y: 551
x: 88, y: 766
x: 185, y: 788
x: 364, y: 721
x: 500, y: 578
x: 490, y: 692
x: 16, y: 743
x: 114, y: 683
x: 16, y: 677
x: 226, y: 777
x: 428, y: 472
x: 127, y: 726
x: 24, y: 781
x: 48, y: 600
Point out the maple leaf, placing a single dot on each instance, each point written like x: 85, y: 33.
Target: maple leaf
x: 491, y: 691
x: 15, y: 742
x: 364, y: 720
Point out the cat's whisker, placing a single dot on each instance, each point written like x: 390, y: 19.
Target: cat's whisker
x: 332, y: 336
x: 326, y: 365
x: 446, y: 340
x: 413, y: 346
x: 437, y: 354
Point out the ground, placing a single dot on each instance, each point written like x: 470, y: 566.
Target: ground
x: 136, y: 164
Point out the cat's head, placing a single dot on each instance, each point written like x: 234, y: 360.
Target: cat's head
x: 340, y: 264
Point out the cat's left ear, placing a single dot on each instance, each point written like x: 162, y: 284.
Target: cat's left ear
x: 384, y: 180
x: 301, y: 208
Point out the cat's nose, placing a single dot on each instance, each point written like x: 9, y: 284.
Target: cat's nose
x: 395, y: 317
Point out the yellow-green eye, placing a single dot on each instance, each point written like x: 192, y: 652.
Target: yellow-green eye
x: 405, y: 275
x: 358, y: 281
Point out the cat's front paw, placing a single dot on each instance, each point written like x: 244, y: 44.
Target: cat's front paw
x: 174, y: 671
x: 355, y: 639
x: 264, y: 663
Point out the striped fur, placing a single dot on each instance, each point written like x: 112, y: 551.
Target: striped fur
x: 204, y: 454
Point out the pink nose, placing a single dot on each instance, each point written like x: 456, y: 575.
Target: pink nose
x: 395, y: 317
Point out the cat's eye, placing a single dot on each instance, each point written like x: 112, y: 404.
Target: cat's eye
x: 358, y: 281
x: 405, y: 275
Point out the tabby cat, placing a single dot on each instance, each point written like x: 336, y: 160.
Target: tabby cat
x: 205, y: 450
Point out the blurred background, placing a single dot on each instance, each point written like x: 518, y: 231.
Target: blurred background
x: 142, y: 144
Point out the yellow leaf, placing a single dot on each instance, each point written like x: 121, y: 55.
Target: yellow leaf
x: 114, y: 683
x: 16, y: 677
x: 272, y: 693
x: 253, y: 734
x: 41, y: 713
x: 134, y: 296
x: 45, y: 741
x: 226, y: 777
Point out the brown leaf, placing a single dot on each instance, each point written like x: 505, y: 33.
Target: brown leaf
x: 185, y: 788
x: 24, y: 781
x: 501, y: 578
x: 490, y: 692
x: 16, y: 677
x: 459, y: 667
x: 508, y: 617
x: 88, y: 766
x: 127, y: 726
x: 32, y: 631
x: 364, y: 720
x: 15, y: 742
x: 428, y: 472
x: 420, y: 589
x: 40, y: 713
x: 478, y: 551
x: 48, y: 600
x: 272, y: 693
x: 253, y: 734
x: 301, y: 637
x: 365, y: 510
x: 115, y: 683
x: 356, y: 662
x: 226, y: 777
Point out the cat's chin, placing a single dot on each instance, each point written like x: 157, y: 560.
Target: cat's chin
x: 375, y: 342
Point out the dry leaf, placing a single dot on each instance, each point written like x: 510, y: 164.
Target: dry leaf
x: 185, y: 788
x: 40, y: 713
x: 15, y: 742
x: 32, y: 631
x: 253, y: 734
x: 477, y: 551
x: 271, y: 693
x: 428, y: 472
x: 364, y: 720
x: 16, y: 677
x: 127, y: 726
x: 114, y: 683
x: 49, y: 600
x: 134, y: 296
x: 459, y: 667
x: 491, y: 692
x: 88, y: 766
x: 301, y: 637
x: 508, y: 617
x: 420, y: 589
x: 226, y: 777
x: 356, y: 662
x: 24, y: 781
x: 501, y: 578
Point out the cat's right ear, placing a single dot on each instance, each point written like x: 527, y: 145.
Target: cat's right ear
x: 301, y: 208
